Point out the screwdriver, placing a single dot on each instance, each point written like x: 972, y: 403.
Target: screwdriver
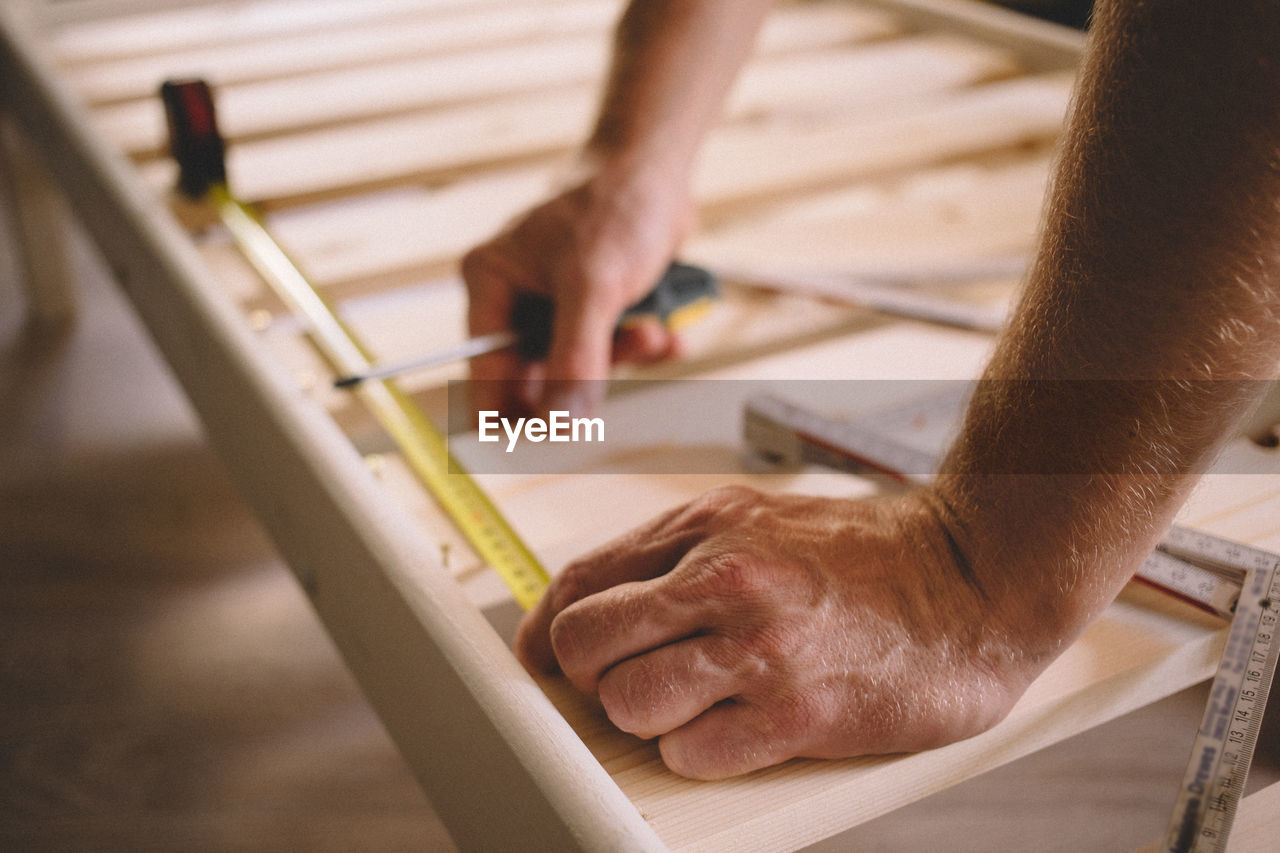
x: 682, y: 295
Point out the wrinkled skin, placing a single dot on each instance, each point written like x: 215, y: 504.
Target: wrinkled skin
x: 744, y: 629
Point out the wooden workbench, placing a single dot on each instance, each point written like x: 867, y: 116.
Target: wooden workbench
x: 867, y: 141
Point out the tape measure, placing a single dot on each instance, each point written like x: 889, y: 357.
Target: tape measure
x: 1234, y: 581
x: 199, y: 150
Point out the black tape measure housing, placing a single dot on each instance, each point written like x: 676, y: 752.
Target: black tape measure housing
x: 194, y: 140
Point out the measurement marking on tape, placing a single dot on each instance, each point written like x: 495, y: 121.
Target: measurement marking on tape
x: 199, y: 150
x: 424, y: 446
x: 1234, y: 581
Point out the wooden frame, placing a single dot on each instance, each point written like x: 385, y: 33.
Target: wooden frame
x: 472, y: 725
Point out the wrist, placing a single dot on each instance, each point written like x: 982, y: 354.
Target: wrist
x: 617, y: 169
x: 647, y: 197
x: 1023, y: 613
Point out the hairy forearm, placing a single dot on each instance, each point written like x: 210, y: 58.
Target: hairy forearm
x: 1152, y: 309
x: 673, y: 62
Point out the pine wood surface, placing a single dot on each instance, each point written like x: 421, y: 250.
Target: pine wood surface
x: 941, y: 166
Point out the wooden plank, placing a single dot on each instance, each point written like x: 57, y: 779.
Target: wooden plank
x: 417, y: 232
x: 407, y: 234
x: 783, y: 158
x: 210, y: 24
x: 739, y: 165
x: 931, y: 220
x: 378, y: 154
x: 292, y: 54
x: 791, y: 29
x: 297, y: 103
x: 819, y: 78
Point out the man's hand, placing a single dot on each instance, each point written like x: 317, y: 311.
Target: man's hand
x: 594, y: 250
x: 600, y: 246
x: 745, y: 629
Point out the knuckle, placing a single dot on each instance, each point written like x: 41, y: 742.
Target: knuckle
x: 808, y: 713
x: 628, y: 704
x: 775, y: 644
x: 567, y: 633
x: 721, y: 506
x: 738, y: 577
x: 731, y: 496
x: 572, y: 584
x: 567, y: 625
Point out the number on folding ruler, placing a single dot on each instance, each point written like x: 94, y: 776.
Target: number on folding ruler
x: 1223, y: 749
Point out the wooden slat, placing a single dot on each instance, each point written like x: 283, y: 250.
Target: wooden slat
x: 738, y: 164
x: 819, y: 78
x: 299, y: 103
x: 219, y: 24
x: 405, y: 234
x: 937, y: 219
x: 791, y: 29
x: 435, y: 147
x: 366, y: 44
x: 417, y: 232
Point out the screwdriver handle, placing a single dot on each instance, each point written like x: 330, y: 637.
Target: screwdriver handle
x: 683, y: 291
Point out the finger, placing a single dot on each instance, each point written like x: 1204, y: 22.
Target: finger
x: 643, y: 342
x: 581, y: 350
x: 646, y: 552
x: 656, y: 692
x: 497, y: 384
x: 491, y: 288
x: 498, y: 378
x: 729, y: 739
x: 600, y: 631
